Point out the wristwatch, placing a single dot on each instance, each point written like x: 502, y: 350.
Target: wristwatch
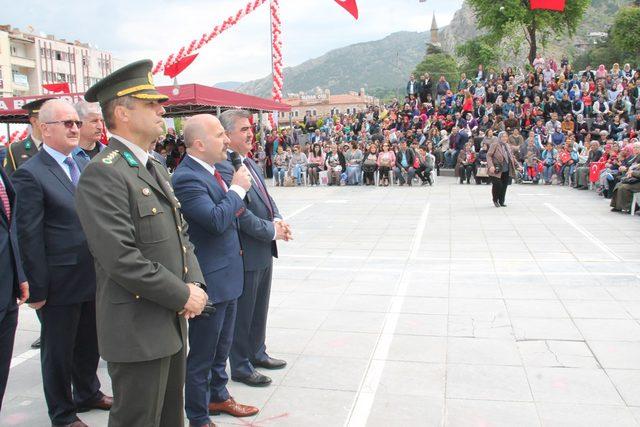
x: 200, y: 285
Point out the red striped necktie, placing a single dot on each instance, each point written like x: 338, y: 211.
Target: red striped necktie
x: 220, y: 181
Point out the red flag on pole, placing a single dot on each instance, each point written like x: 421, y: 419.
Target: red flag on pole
x: 350, y: 6
x: 57, y: 87
x: 179, y: 66
x: 557, y: 5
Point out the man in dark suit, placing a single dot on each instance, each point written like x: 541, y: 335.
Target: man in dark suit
x: 426, y: 87
x: 20, y: 152
x: 260, y: 226
x: 13, y: 284
x: 59, y: 267
x: 211, y: 210
x: 148, y: 279
x: 404, y: 164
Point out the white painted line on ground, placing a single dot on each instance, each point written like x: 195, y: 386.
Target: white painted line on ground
x: 302, y: 209
x: 359, y: 413
x: 336, y: 201
x: 21, y: 358
x: 599, y: 243
x: 417, y: 238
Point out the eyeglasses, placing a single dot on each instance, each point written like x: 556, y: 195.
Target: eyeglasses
x: 67, y: 123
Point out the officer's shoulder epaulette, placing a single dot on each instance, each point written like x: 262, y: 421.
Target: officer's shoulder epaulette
x: 111, y: 158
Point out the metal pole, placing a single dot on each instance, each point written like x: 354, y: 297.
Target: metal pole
x: 261, y: 127
x: 218, y: 110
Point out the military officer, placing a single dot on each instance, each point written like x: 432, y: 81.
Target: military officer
x: 148, y: 279
x: 20, y: 152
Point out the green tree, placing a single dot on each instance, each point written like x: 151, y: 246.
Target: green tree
x: 504, y: 17
x: 477, y: 51
x: 438, y: 64
x: 625, y: 32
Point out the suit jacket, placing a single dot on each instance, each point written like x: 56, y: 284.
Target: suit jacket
x: 54, y: 249
x: 410, y: 158
x: 142, y: 253
x: 10, y: 263
x: 211, y: 213
x: 256, y: 223
x: 496, y: 157
x: 18, y: 153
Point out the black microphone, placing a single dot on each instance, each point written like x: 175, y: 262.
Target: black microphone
x: 236, y: 161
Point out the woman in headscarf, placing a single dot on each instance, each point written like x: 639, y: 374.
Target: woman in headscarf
x: 502, y: 169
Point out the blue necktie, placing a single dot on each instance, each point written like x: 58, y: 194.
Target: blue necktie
x: 73, y: 170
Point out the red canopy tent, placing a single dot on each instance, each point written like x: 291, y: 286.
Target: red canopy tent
x: 189, y: 99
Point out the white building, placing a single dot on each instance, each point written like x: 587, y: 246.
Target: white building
x: 28, y: 60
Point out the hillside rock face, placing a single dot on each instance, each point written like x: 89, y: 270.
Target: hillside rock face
x: 375, y: 66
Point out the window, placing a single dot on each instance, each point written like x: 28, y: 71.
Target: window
x: 60, y: 77
x: 295, y: 113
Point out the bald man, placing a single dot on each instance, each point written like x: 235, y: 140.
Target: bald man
x: 59, y: 267
x: 212, y: 209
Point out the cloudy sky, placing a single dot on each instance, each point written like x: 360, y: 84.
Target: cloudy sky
x: 155, y: 28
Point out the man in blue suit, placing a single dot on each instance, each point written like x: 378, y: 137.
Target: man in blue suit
x: 13, y: 284
x: 260, y: 226
x: 59, y: 267
x: 211, y: 209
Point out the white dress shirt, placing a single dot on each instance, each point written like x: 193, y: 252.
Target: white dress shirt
x: 60, y: 158
x: 212, y: 170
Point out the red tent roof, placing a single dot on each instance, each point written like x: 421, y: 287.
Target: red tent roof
x: 191, y: 99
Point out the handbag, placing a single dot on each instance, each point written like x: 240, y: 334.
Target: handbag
x: 482, y: 172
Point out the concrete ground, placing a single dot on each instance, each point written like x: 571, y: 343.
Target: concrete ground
x: 428, y: 306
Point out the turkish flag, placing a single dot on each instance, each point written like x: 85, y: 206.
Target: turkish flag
x: 179, y: 66
x: 350, y: 6
x: 557, y: 5
x: 57, y: 87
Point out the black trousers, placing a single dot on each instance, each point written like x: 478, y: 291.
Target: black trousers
x: 69, y: 356
x: 499, y: 187
x: 251, y: 323
x: 8, y: 324
x: 148, y: 393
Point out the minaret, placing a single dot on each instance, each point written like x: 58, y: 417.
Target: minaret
x: 434, y: 31
x: 434, y: 44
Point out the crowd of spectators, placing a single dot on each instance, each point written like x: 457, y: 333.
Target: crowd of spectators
x: 566, y: 127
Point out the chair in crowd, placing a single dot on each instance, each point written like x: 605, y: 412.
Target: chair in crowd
x: 634, y: 202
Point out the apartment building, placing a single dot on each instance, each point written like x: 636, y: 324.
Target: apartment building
x: 29, y: 59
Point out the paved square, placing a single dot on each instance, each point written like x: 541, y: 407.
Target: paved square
x: 427, y: 306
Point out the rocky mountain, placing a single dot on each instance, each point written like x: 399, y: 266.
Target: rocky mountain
x: 377, y: 66
x: 228, y: 85
x: 597, y: 19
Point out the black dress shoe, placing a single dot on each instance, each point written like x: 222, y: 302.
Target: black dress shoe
x: 270, y: 363
x: 254, y: 380
x: 503, y: 205
x: 496, y: 204
x: 36, y: 343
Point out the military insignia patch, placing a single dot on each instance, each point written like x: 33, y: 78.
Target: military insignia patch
x: 130, y: 159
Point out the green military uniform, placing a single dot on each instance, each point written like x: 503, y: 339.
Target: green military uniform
x: 143, y: 261
x: 20, y: 152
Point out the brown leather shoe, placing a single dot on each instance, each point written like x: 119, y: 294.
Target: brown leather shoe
x: 104, y: 404
x: 231, y: 407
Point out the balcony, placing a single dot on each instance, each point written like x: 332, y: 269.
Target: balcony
x: 21, y: 61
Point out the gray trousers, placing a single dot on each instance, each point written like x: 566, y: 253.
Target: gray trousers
x: 149, y: 393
